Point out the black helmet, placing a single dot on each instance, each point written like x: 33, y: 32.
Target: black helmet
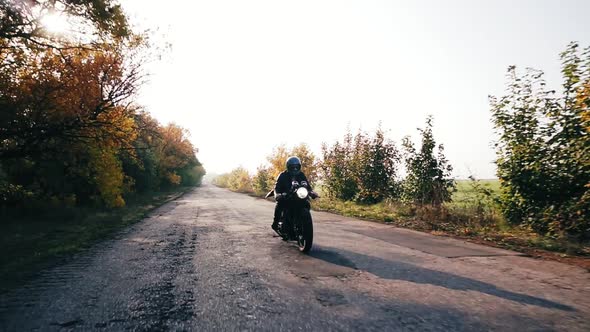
x: 293, y: 165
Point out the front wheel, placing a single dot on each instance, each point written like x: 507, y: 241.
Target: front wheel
x: 305, y: 236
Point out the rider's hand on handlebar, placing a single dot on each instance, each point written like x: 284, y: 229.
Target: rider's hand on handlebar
x: 313, y: 194
x: 280, y: 196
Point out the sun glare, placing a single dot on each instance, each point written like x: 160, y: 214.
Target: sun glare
x: 55, y: 23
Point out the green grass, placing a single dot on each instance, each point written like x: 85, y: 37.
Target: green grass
x: 377, y: 211
x: 465, y: 189
x: 34, y: 242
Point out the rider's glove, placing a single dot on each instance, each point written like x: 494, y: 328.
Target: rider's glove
x: 313, y: 194
x: 280, y: 196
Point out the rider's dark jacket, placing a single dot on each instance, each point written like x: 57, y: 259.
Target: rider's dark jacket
x: 285, y: 179
x: 283, y: 185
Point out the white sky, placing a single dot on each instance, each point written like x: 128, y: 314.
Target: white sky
x: 238, y: 70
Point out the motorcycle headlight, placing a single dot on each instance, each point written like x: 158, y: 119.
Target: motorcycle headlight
x: 302, y: 193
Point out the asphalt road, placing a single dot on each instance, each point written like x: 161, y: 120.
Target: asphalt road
x: 209, y: 262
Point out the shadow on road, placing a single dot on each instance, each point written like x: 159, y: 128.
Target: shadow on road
x: 397, y: 270
x: 405, y: 316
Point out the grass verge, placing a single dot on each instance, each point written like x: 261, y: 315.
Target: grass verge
x: 37, y: 241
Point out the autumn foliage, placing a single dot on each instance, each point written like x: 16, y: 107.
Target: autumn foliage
x: 261, y: 182
x: 70, y: 130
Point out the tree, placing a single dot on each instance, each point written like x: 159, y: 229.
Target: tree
x: 68, y: 115
x: 108, y: 176
x: 240, y: 180
x: 277, y: 160
x: 70, y: 130
x: 362, y: 168
x: 279, y: 155
x: 308, y: 161
x: 428, y: 178
x: 141, y: 162
x: 174, y: 152
x: 376, y: 164
x: 21, y: 24
x: 52, y: 85
x: 262, y: 182
x: 75, y: 96
x: 338, y: 169
x: 543, y: 147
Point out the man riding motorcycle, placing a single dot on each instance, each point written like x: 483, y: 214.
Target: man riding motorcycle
x: 283, y: 185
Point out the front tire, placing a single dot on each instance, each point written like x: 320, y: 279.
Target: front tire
x: 305, y: 237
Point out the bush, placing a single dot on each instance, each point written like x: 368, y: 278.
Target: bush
x: 238, y: 180
x: 262, y: 182
x: 363, y: 169
x: 543, y: 150
x: 428, y: 180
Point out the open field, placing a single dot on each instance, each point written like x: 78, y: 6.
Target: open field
x: 466, y: 190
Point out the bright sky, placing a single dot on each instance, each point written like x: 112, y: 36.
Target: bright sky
x: 246, y: 76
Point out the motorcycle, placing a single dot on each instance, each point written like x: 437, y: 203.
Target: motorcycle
x: 295, y: 222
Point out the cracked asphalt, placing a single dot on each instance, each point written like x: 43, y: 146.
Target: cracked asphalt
x: 208, y: 261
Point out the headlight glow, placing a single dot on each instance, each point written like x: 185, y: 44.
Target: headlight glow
x: 302, y: 193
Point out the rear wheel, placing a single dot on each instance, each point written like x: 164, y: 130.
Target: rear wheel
x: 305, y: 236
